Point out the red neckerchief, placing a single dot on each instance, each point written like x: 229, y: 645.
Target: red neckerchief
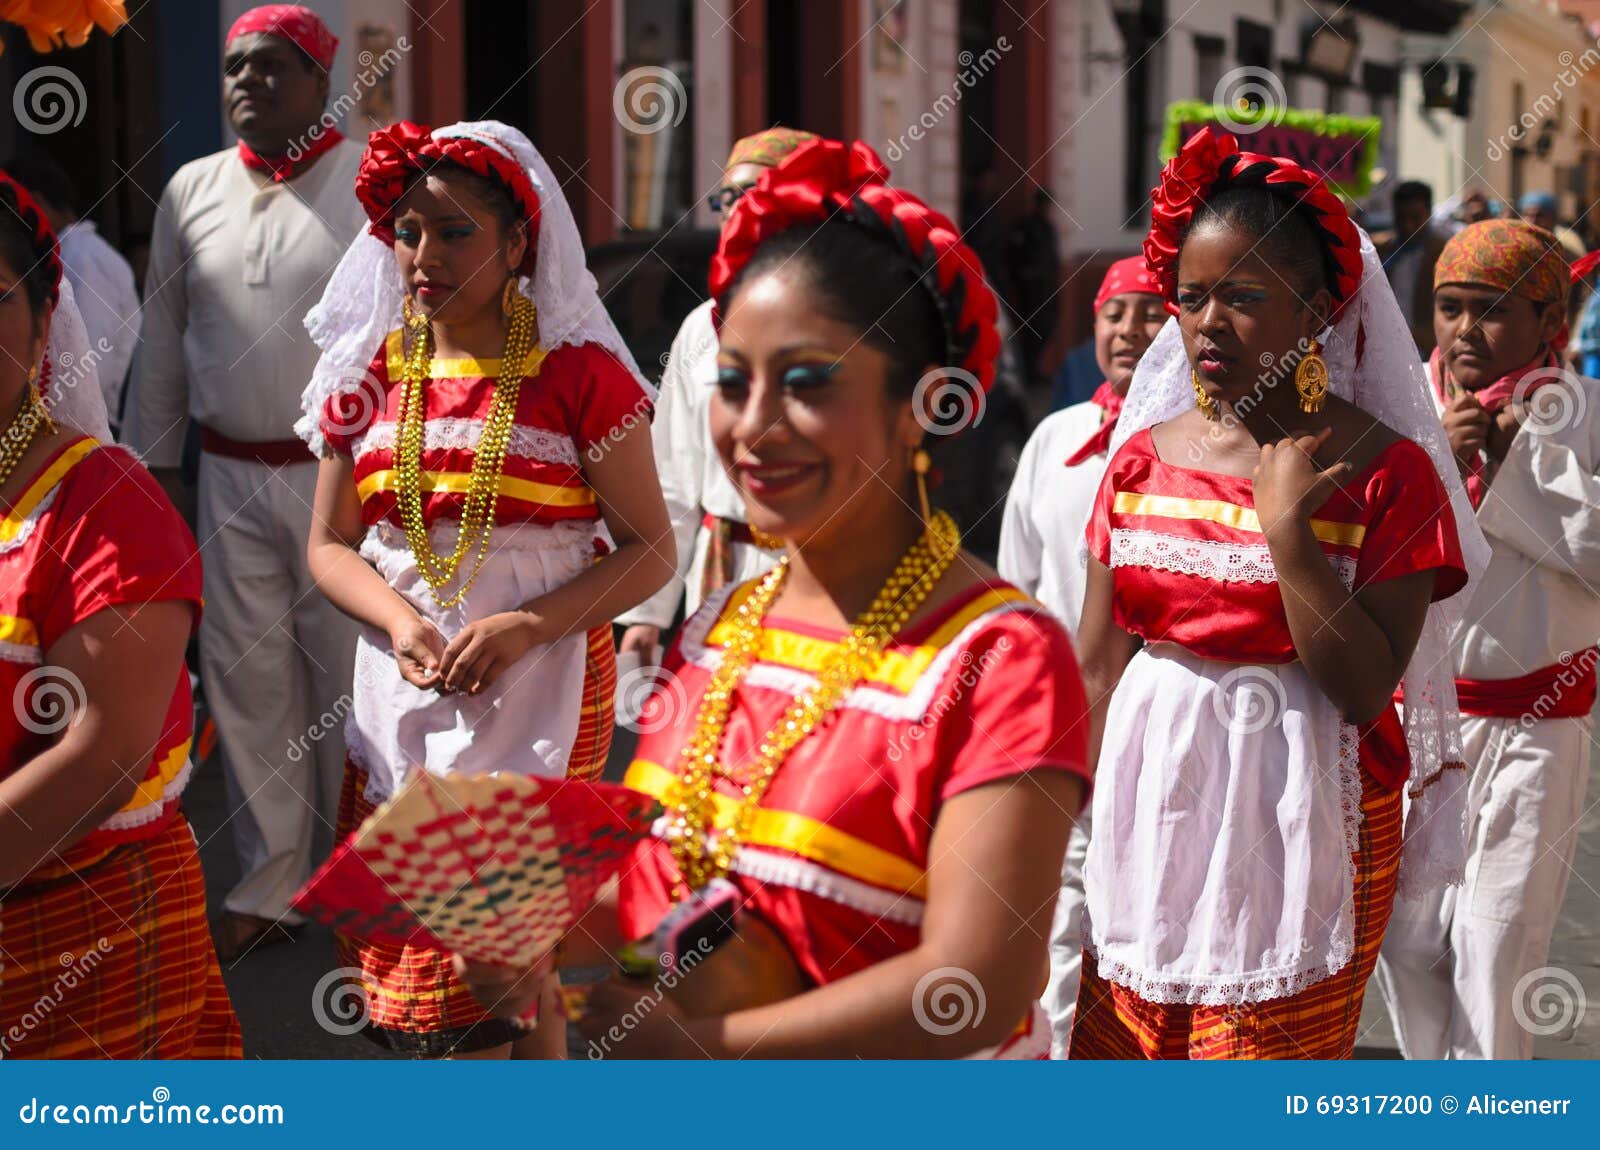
x: 282, y: 168
x: 1493, y: 398
x: 1100, y: 442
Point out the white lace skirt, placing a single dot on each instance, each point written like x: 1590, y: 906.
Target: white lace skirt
x: 1227, y: 805
x: 527, y: 722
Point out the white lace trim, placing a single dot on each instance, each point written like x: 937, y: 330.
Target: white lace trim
x: 142, y: 816
x: 805, y: 875
x: 465, y: 434
x: 30, y: 522
x: 574, y: 537
x: 1223, y: 989
x: 21, y: 653
x: 1207, y: 558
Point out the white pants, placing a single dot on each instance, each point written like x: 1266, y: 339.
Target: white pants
x: 1451, y: 962
x: 275, y: 664
x: 1066, y: 941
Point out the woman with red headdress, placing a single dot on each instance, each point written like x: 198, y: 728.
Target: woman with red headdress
x: 1041, y: 543
x: 104, y: 951
x: 1269, y: 552
x: 869, y: 757
x: 479, y: 420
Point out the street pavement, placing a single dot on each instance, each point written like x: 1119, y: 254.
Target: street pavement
x: 275, y: 990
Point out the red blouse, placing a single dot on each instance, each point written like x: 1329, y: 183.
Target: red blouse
x: 836, y: 861
x: 573, y: 401
x: 1173, y: 534
x: 92, y: 530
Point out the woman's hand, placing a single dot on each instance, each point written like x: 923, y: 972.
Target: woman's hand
x: 481, y: 651
x: 418, y: 648
x: 1288, y: 487
x: 636, y: 1019
x: 505, y: 992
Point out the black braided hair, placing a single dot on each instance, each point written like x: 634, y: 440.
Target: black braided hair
x: 1286, y: 233
x: 25, y: 250
x: 861, y: 275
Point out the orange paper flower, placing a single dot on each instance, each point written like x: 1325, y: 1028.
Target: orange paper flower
x: 52, y: 24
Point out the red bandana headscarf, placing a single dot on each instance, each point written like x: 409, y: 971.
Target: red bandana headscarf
x: 305, y: 30
x: 1124, y: 276
x: 396, y: 154
x: 823, y: 178
x: 1211, y: 162
x: 300, y: 26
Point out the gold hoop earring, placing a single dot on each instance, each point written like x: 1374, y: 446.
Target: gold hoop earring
x: 508, y: 298
x: 1207, y: 405
x: 921, y: 464
x: 1311, y: 379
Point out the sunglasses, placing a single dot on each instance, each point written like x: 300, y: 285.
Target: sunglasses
x: 723, y: 199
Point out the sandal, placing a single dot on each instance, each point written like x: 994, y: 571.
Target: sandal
x: 236, y: 935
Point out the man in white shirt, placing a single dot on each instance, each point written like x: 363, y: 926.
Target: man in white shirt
x: 244, y: 243
x: 1463, y: 970
x: 714, y: 541
x: 102, y: 280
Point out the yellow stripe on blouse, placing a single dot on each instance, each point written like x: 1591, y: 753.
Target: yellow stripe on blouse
x: 152, y: 790
x: 899, y: 670
x: 464, y: 368
x: 39, y: 488
x: 458, y: 482
x: 1329, y: 531
x: 799, y: 834
x: 22, y: 632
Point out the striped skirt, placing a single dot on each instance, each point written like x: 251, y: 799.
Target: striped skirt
x: 116, y: 960
x: 1319, y: 1022
x: 415, y: 1003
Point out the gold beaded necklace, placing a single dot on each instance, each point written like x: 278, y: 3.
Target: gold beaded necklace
x: 483, y: 488
x: 31, y: 418
x: 703, y: 855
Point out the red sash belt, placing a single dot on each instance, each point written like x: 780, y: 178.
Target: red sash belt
x: 1563, y: 690
x: 272, y: 452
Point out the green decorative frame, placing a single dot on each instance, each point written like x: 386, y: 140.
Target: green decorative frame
x: 1184, y: 112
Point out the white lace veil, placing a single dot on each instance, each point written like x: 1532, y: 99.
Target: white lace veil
x: 1389, y: 382
x: 72, y: 391
x: 361, y: 304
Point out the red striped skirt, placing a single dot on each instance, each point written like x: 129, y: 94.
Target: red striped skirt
x: 1319, y: 1022
x: 116, y: 961
x: 416, y: 1005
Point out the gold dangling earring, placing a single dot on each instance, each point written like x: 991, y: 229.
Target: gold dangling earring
x: 408, y: 314
x: 921, y: 464
x: 1311, y: 379
x: 508, y: 298
x: 1207, y: 405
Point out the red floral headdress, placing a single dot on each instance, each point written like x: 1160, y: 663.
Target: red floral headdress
x: 14, y: 198
x: 1210, y: 162
x: 825, y: 177
x: 397, y: 153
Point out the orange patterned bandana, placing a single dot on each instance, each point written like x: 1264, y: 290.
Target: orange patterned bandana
x: 1509, y: 255
x: 766, y: 148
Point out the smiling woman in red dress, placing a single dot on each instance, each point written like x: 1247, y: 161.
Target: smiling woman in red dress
x: 873, y: 753
x: 104, y: 950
